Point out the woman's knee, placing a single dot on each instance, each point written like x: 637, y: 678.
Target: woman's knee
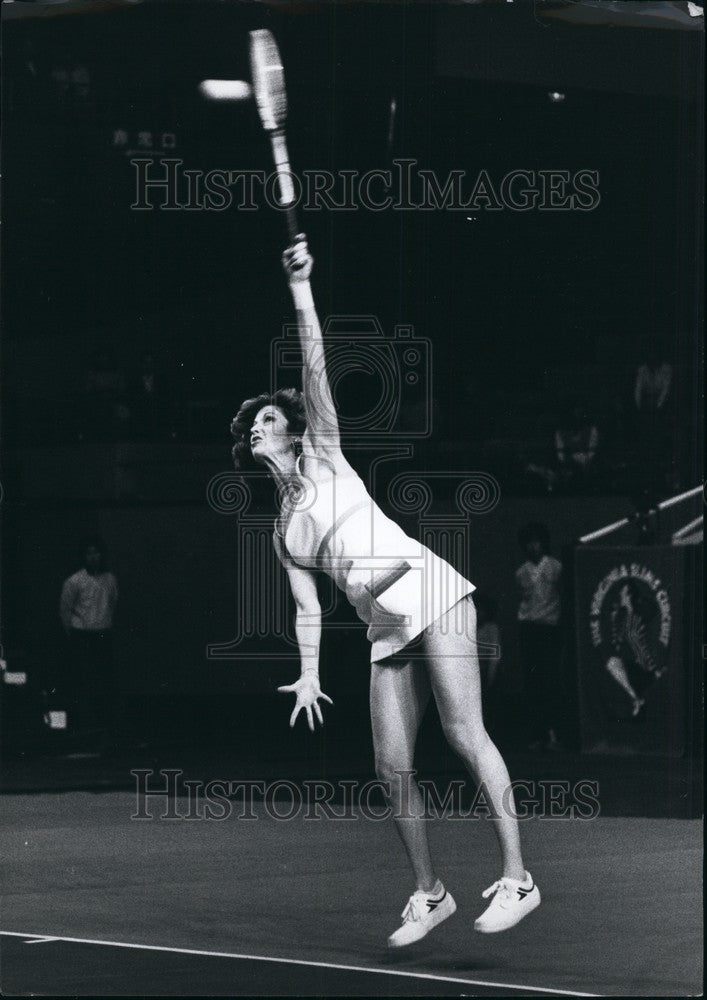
x: 390, y: 767
x: 465, y: 738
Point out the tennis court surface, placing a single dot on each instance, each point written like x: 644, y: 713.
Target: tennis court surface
x: 97, y: 903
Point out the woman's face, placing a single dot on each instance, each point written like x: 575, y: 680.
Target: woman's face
x: 270, y: 435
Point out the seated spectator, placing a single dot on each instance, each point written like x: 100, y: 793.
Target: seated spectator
x: 654, y: 378
x: 576, y: 443
x: 653, y: 413
x: 574, y: 462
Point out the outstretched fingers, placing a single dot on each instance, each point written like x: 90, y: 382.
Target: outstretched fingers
x: 310, y: 703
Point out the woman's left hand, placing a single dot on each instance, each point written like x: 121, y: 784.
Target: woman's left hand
x: 307, y: 691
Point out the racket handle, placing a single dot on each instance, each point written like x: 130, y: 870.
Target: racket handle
x: 287, y: 198
x: 292, y: 227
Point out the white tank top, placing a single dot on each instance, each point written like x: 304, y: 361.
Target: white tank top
x: 397, y: 585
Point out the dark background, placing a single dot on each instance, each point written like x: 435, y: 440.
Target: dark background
x: 521, y: 309
x: 505, y: 298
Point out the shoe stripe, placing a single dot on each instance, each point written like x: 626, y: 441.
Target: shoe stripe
x: 434, y: 903
x: 525, y: 892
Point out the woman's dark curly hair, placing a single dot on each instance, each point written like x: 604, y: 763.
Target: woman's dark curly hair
x: 290, y: 401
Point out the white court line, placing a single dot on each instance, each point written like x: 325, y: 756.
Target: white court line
x: 41, y: 940
x: 301, y: 961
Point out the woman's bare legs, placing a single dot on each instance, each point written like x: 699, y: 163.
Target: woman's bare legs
x: 453, y: 665
x: 399, y: 695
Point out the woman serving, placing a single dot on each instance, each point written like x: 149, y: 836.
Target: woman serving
x: 419, y: 611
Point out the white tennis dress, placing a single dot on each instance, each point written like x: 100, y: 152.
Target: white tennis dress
x: 397, y: 585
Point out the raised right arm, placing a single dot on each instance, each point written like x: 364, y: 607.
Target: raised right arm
x: 322, y: 435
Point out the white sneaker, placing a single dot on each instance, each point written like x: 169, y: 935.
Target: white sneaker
x: 423, y: 912
x: 513, y: 900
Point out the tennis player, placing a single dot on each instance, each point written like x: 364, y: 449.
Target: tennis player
x: 418, y: 609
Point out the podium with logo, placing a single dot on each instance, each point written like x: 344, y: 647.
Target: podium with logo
x: 634, y: 648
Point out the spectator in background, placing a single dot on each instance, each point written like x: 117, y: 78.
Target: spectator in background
x: 652, y: 397
x: 539, y: 633
x: 573, y: 464
x: 653, y: 379
x: 86, y: 608
x: 576, y: 443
